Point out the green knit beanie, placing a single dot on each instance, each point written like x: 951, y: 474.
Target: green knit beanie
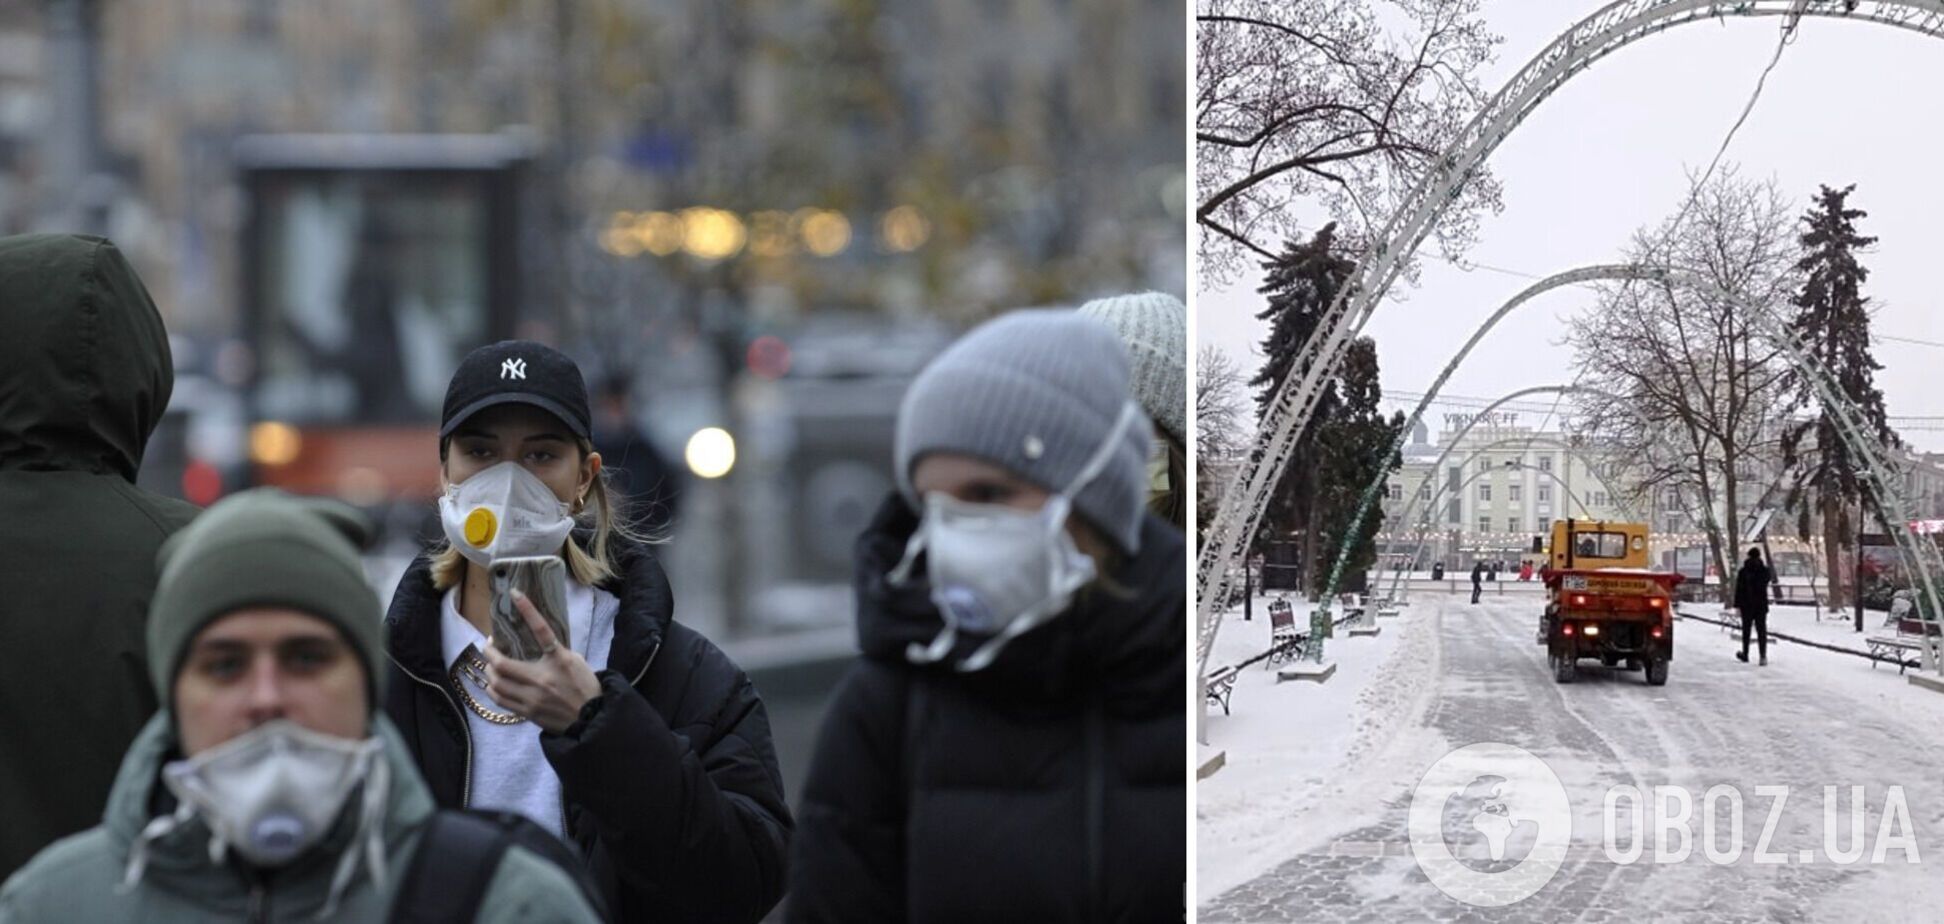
x: 264, y: 548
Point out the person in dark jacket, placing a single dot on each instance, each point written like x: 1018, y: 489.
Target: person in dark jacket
x: 1008, y: 748
x: 1751, y: 598
x: 650, y: 486
x: 85, y: 374
x: 1478, y: 580
x: 632, y: 737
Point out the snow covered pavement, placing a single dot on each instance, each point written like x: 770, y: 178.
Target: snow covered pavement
x: 1309, y: 820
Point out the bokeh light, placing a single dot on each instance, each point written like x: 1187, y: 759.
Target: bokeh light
x: 769, y: 357
x: 659, y: 233
x: 711, y: 452
x: 826, y: 233
x: 711, y: 233
x: 275, y: 443
x: 904, y: 229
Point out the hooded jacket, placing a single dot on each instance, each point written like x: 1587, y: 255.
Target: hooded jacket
x: 1047, y: 787
x: 1752, y: 587
x: 85, y: 373
x: 78, y: 879
x: 670, y: 780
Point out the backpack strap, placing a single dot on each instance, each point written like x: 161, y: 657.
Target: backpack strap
x: 448, y: 889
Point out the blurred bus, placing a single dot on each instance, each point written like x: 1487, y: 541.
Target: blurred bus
x: 370, y: 265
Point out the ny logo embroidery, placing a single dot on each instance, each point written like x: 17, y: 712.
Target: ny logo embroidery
x: 513, y: 369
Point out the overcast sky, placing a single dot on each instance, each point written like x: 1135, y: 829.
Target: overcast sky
x: 1608, y: 154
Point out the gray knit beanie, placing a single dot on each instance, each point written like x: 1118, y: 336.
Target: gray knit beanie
x: 1154, y: 328
x: 1035, y: 393
x: 264, y: 548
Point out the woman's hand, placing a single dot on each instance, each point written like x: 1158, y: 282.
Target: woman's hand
x: 550, y: 691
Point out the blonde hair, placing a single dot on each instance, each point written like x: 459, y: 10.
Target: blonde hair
x: 589, y: 567
x: 1172, y: 504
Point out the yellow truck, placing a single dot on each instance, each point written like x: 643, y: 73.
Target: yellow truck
x: 1603, y: 601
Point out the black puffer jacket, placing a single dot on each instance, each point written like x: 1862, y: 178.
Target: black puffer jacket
x: 670, y: 779
x: 84, y: 376
x: 1752, y: 587
x: 1048, y: 787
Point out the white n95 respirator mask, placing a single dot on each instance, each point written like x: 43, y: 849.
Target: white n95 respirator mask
x: 997, y: 572
x: 273, y: 792
x: 504, y: 512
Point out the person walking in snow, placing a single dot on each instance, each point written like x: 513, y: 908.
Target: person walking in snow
x: 1478, y: 580
x: 1751, y: 598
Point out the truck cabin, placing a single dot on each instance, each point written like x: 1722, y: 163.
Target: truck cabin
x: 1590, y: 544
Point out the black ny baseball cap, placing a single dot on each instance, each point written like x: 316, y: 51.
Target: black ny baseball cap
x: 516, y: 372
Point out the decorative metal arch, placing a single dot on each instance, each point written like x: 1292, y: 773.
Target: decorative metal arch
x: 1885, y: 482
x: 1611, y: 28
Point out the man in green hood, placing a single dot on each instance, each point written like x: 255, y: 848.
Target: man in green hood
x: 85, y: 374
x: 269, y: 787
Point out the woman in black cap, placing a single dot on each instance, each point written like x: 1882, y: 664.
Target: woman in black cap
x: 632, y: 737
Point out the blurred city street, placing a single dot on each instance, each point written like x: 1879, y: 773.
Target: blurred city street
x: 749, y: 223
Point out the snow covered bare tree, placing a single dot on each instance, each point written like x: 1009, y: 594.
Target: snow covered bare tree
x: 1311, y: 112
x: 1700, y: 396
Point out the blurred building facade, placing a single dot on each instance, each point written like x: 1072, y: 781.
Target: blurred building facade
x: 1502, y: 484
x: 764, y: 216
x: 1039, y: 142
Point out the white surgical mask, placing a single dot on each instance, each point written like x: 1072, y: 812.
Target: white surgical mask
x: 273, y: 793
x: 504, y: 511
x: 997, y: 572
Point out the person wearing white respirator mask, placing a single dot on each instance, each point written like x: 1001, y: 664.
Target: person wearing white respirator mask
x: 628, y: 736
x: 1009, y: 746
x: 268, y: 787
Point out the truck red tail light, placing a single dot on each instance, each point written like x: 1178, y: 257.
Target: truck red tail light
x: 1566, y: 629
x: 1657, y: 631
x: 1656, y: 602
x: 1579, y: 599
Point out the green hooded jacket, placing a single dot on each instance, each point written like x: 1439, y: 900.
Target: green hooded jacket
x: 85, y: 374
x: 79, y: 879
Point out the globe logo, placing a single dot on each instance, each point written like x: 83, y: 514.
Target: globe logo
x: 1489, y: 824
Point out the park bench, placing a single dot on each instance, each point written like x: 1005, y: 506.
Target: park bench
x: 1284, y: 641
x: 1908, y: 640
x: 1892, y: 648
x: 1220, y: 685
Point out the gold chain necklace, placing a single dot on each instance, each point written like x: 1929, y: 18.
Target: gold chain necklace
x: 472, y: 665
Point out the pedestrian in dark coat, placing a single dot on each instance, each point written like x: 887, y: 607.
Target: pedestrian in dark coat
x: 649, y: 488
x: 1002, y: 756
x: 85, y: 374
x: 1478, y: 580
x: 1751, y: 598
x: 634, y: 738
